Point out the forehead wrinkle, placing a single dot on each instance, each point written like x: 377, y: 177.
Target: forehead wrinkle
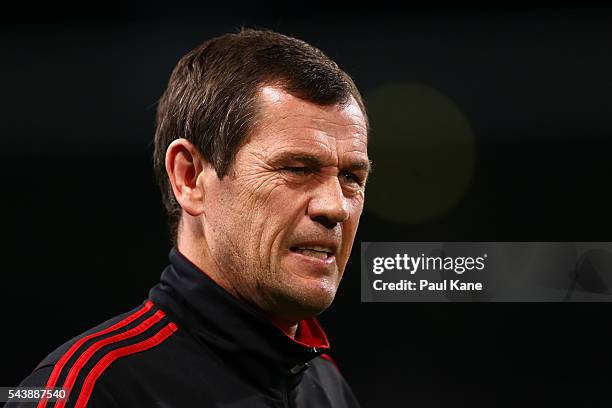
x: 337, y: 131
x: 313, y: 134
x: 329, y: 131
x: 301, y: 142
x: 358, y: 145
x: 339, y: 117
x: 319, y: 118
x: 318, y: 142
x: 357, y: 151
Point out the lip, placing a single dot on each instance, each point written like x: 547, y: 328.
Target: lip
x: 311, y: 267
x: 331, y: 259
x: 332, y: 245
x: 308, y: 267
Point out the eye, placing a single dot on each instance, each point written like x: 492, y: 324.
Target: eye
x: 300, y: 171
x: 352, y: 178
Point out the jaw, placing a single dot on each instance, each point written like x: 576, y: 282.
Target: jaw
x: 292, y: 295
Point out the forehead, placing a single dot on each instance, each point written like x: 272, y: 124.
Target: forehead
x: 286, y: 120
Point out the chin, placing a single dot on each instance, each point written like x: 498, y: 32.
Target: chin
x: 307, y: 301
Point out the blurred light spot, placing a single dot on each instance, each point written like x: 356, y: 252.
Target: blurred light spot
x: 423, y: 152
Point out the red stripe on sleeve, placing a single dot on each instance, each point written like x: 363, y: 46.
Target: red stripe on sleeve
x: 84, y: 358
x: 62, y: 361
x: 109, y: 358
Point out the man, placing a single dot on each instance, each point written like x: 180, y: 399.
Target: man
x: 261, y: 154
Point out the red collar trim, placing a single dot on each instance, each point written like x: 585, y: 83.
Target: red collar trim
x: 310, y: 334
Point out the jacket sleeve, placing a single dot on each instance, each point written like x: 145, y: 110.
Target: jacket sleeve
x: 100, y: 397
x: 38, y: 378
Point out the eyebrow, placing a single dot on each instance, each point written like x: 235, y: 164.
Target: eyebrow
x: 314, y: 161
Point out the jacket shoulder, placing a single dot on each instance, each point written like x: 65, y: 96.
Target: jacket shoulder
x: 78, y: 365
x: 53, y: 357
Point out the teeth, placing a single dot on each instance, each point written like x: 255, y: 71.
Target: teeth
x: 313, y: 253
x: 316, y: 248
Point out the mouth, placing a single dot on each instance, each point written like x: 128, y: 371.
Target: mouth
x: 314, y: 251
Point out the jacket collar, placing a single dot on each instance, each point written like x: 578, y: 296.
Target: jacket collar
x: 237, y: 332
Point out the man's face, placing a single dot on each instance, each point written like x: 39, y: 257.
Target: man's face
x: 281, y: 224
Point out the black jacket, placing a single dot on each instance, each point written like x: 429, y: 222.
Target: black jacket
x: 191, y: 344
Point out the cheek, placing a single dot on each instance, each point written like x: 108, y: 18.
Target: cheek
x: 246, y: 202
x: 267, y: 210
x: 255, y: 190
x: 355, y: 209
x: 279, y: 215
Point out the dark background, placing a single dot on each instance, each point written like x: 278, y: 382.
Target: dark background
x: 84, y: 228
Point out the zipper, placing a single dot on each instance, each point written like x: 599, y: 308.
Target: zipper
x: 297, y: 369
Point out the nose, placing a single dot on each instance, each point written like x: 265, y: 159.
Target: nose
x: 328, y: 205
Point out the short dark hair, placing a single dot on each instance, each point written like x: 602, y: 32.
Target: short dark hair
x: 212, y: 93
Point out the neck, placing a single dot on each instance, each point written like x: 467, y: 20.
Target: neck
x: 289, y: 328
x: 197, y: 254
x: 194, y: 247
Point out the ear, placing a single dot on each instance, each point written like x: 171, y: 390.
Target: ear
x: 184, y: 166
